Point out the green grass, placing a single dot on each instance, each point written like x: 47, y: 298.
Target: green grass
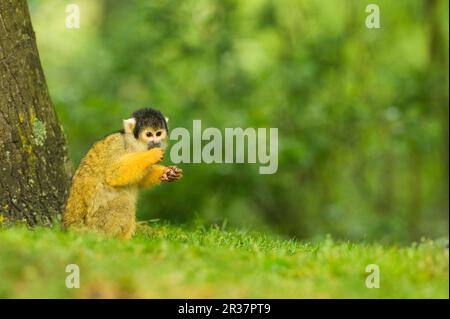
x: 165, y: 261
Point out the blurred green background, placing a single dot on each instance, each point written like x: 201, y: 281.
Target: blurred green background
x: 362, y: 113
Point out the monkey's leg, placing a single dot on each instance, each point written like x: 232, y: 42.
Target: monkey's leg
x: 116, y: 219
x: 160, y: 174
x: 131, y: 168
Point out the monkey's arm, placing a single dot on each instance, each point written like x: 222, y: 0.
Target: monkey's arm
x: 153, y: 177
x: 160, y: 174
x: 131, y: 168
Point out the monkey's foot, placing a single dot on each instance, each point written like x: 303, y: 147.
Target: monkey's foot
x: 172, y: 173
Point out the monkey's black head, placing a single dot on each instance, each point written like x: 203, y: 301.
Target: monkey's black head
x: 148, y: 126
x: 148, y: 117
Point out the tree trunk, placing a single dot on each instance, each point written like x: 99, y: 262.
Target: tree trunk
x: 34, y: 166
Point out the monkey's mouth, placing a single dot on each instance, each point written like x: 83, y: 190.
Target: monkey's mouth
x: 151, y: 145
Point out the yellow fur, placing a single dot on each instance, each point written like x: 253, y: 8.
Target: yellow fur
x: 105, y: 186
x: 153, y: 177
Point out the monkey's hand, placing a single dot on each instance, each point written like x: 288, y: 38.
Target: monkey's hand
x: 156, y: 155
x: 159, y: 174
x: 171, y: 173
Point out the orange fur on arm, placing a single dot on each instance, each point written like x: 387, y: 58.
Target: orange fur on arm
x: 130, y: 168
x: 153, y: 177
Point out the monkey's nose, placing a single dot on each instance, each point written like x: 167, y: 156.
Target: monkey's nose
x: 153, y: 144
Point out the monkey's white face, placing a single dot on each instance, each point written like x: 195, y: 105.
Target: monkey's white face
x: 154, y: 137
x: 149, y: 137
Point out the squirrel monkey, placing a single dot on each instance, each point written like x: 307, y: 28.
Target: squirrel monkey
x: 105, y: 186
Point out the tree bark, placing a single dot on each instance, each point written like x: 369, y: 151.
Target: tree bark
x: 34, y: 166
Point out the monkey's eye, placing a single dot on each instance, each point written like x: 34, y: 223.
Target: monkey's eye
x: 149, y: 134
x: 158, y: 133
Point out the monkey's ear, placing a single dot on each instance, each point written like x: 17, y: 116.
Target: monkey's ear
x: 167, y: 120
x: 129, y: 124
